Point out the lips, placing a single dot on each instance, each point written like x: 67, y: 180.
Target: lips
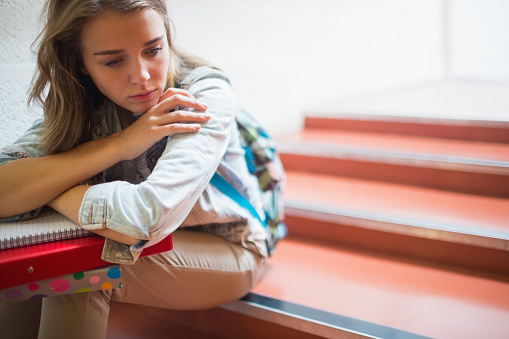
x: 143, y: 96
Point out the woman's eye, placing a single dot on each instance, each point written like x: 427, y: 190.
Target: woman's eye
x: 113, y: 63
x: 154, y: 51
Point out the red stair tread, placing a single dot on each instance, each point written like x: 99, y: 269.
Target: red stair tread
x: 423, y: 204
x: 472, y: 149
x: 402, y: 294
x: 460, y: 129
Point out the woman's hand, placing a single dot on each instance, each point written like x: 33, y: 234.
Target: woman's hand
x: 167, y: 117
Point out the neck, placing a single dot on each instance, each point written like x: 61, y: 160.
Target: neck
x: 125, y: 117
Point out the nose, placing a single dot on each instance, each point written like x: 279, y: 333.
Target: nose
x: 139, y: 73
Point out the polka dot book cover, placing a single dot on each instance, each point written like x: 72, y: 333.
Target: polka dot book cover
x: 29, y: 268
x: 104, y: 278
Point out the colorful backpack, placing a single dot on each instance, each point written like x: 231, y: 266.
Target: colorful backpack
x: 263, y: 162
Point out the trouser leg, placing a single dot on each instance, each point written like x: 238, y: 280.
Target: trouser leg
x: 80, y: 316
x: 202, y: 271
x: 20, y: 319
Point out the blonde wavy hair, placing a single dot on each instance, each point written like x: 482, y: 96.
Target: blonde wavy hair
x: 69, y: 98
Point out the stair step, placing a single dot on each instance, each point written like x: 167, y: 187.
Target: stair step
x: 485, y: 215
x: 314, y: 290
x: 496, y: 152
x: 475, y: 130
x: 132, y: 321
x: 456, y: 165
x: 409, y: 219
x: 387, y: 290
x: 254, y: 316
x: 311, y: 320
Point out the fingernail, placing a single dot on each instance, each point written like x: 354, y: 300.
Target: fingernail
x: 203, y: 104
x: 206, y: 116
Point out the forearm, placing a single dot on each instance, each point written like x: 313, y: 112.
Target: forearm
x: 33, y: 182
x: 68, y: 204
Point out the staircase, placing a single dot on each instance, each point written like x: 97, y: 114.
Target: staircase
x: 408, y: 219
x: 417, y: 186
x: 398, y: 228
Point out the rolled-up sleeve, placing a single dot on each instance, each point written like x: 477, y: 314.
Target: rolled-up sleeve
x: 153, y: 209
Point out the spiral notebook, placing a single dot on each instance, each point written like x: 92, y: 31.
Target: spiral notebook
x: 48, y: 226
x: 58, y: 247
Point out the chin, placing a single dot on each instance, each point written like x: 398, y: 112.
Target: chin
x: 146, y: 106
x: 141, y: 109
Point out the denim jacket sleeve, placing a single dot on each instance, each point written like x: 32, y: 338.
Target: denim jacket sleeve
x: 153, y: 209
x: 24, y: 147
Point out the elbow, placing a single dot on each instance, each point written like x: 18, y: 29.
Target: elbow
x: 162, y: 222
x: 153, y: 228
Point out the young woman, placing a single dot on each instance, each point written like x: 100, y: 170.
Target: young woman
x: 127, y: 153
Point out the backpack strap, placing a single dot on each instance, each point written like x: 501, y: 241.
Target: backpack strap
x: 226, y: 188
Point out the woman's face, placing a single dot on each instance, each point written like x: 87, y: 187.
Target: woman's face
x: 127, y: 57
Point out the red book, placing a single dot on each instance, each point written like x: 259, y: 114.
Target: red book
x: 21, y: 265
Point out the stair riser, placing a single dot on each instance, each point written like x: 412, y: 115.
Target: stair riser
x: 448, y: 129
x: 437, y: 178
x: 228, y: 324
x: 438, y: 252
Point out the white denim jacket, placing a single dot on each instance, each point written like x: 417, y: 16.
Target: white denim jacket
x: 168, y: 186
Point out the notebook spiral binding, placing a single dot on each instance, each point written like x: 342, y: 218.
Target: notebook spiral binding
x: 33, y: 239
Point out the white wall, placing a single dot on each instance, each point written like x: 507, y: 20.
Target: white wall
x: 284, y: 55
x: 19, y: 22
x: 479, y: 40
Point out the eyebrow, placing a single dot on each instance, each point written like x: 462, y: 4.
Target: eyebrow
x: 118, y: 51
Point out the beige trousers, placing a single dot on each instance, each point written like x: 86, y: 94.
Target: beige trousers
x: 202, y: 271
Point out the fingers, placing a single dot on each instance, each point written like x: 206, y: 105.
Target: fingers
x: 177, y: 100
x: 183, y: 116
x: 179, y: 122
x: 172, y: 91
x: 176, y: 128
x: 168, y: 116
